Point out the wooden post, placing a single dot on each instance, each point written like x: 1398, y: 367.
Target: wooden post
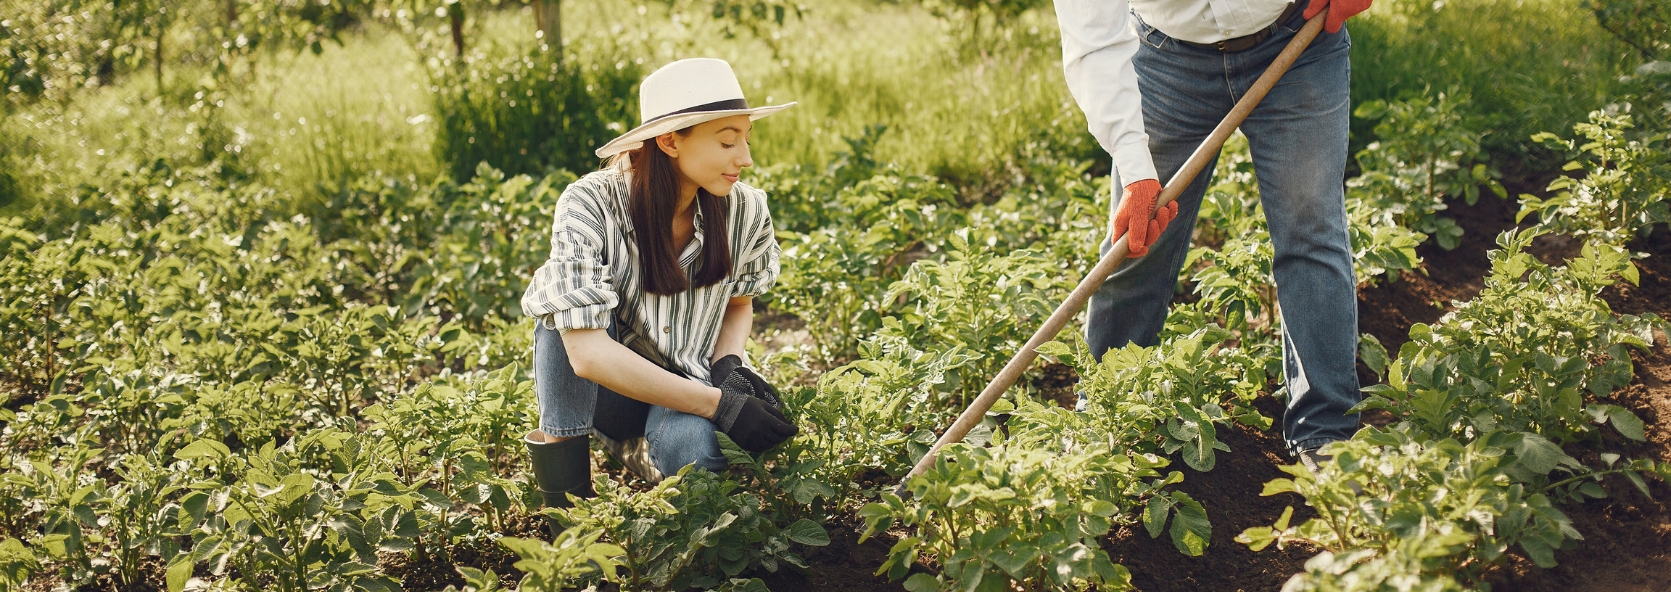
x: 548, y: 16
x: 455, y: 18
x: 156, y: 57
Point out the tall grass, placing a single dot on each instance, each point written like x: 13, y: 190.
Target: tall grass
x: 310, y: 124
x: 1527, y: 65
x: 306, y: 125
x: 952, y: 110
x: 317, y: 122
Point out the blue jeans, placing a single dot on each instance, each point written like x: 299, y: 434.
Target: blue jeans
x: 1297, y: 137
x: 572, y: 406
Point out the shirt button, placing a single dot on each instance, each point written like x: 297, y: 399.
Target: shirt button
x: 666, y: 329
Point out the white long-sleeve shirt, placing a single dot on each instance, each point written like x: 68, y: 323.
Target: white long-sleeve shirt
x: 1099, y: 38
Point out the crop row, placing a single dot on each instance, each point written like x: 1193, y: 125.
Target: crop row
x: 1490, y: 399
x: 221, y: 393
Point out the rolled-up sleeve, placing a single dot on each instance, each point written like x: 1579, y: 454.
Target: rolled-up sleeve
x: 574, y: 288
x: 1097, y: 46
x: 759, y: 265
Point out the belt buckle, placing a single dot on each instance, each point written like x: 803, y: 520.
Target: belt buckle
x: 1221, y: 48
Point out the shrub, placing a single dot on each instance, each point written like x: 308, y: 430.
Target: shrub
x: 531, y: 113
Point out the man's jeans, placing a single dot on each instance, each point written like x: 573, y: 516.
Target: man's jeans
x: 573, y: 406
x: 1298, y: 139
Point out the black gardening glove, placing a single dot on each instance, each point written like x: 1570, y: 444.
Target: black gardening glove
x: 723, y: 367
x: 747, y: 418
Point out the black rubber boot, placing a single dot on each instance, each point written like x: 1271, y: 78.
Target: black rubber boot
x: 561, y: 468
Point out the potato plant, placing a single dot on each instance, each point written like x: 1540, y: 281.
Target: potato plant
x: 693, y: 529
x: 1622, y: 192
x: 1524, y: 353
x: 997, y: 518
x: 1458, y: 507
x: 839, y: 277
x: 977, y: 301
x: 875, y: 415
x: 1425, y: 152
x: 1483, y: 400
x: 310, y: 514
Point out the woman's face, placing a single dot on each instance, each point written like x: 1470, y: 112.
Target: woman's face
x: 713, y: 155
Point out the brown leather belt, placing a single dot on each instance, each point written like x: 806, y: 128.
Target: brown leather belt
x: 1250, y: 40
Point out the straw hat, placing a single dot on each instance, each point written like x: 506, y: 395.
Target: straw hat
x: 683, y: 94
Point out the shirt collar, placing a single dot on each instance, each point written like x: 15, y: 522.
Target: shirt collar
x: 692, y: 250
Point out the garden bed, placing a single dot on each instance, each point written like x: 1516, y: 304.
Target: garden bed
x: 1627, y: 542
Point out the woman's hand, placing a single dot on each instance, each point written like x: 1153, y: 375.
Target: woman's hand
x: 724, y: 367
x: 745, y: 416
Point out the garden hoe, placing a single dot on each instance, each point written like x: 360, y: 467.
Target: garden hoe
x: 1116, y: 255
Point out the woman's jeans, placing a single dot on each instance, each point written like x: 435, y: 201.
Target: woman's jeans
x: 1297, y: 136
x: 573, y: 406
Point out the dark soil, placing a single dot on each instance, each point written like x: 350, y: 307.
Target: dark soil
x: 1056, y: 383
x: 1231, y: 494
x: 843, y: 565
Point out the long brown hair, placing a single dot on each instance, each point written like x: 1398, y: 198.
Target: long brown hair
x: 652, y: 195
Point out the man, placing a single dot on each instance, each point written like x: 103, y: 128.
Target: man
x: 1153, y: 80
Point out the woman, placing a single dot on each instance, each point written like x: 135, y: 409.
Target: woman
x: 647, y: 299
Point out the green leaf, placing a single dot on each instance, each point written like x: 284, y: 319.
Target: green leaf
x: 1539, y: 551
x: 1373, y: 354
x: 1103, y: 508
x: 1276, y: 486
x: 203, y: 448
x: 734, y: 453
x: 1056, y: 351
x: 1191, y: 531
x: 809, y: 533
x: 1628, y: 424
x: 1636, y: 479
x: 1539, y: 454
x: 922, y: 582
x: 1155, y: 515
x: 179, y: 572
x: 1257, y: 538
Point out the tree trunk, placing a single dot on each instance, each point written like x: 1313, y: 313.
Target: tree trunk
x: 548, y: 16
x: 231, y: 11
x: 156, y: 58
x: 455, y: 17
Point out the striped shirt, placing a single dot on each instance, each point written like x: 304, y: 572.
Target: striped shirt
x: 594, y: 274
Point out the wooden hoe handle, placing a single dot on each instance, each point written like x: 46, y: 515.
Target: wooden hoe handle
x: 1117, y: 255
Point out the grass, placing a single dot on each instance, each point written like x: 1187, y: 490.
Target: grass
x: 950, y: 110
x: 319, y: 121
x: 1526, y: 65
x: 307, y: 124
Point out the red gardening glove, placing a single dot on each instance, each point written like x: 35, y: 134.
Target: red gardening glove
x: 1137, y: 213
x: 1339, y: 11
